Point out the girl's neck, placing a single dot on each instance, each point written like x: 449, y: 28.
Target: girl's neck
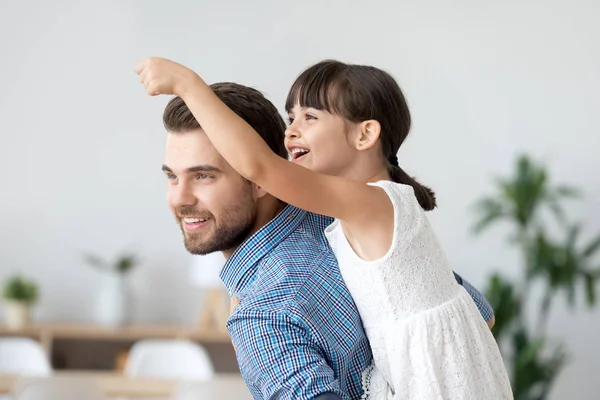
x: 366, y: 171
x: 381, y: 175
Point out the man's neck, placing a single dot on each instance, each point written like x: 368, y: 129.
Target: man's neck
x: 267, y: 209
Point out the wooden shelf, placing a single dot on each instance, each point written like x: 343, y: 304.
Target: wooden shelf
x: 93, y: 346
x: 126, y: 332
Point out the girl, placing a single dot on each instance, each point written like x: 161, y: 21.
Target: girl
x: 346, y: 125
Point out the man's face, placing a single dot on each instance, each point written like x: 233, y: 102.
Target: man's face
x: 214, y: 206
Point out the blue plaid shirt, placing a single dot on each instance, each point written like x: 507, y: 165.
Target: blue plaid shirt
x: 296, y: 330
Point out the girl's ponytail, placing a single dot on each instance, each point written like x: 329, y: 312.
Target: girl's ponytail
x: 425, y: 195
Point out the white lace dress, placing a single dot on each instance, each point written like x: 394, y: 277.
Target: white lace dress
x: 428, y: 338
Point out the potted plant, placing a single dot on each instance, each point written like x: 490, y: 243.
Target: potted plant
x: 113, y: 301
x: 561, y: 264
x: 19, y: 295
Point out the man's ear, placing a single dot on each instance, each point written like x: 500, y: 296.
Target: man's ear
x: 259, y: 192
x: 368, y: 134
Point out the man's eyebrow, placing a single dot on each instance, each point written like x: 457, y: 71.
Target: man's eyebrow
x: 196, y: 168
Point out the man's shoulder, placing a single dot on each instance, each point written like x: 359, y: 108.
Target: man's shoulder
x: 303, y: 251
x: 301, y: 290
x: 299, y: 272
x: 293, y: 270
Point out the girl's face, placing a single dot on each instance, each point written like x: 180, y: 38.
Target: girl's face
x: 320, y: 141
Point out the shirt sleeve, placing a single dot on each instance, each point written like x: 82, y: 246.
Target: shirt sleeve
x: 276, y: 358
x: 480, y: 301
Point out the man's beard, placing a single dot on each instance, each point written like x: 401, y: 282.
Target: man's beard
x: 231, y: 229
x: 224, y: 235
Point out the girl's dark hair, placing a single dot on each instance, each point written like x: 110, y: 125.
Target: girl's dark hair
x: 359, y: 93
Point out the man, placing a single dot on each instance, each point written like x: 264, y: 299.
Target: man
x: 296, y: 330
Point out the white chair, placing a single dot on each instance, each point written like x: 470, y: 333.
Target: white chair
x: 23, y: 356
x: 169, y: 359
x: 57, y: 388
x: 222, y: 389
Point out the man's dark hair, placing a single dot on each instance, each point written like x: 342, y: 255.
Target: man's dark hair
x: 248, y: 103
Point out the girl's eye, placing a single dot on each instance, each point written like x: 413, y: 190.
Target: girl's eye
x: 290, y: 120
x: 310, y: 116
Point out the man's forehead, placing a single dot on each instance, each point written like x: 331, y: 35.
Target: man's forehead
x: 185, y: 150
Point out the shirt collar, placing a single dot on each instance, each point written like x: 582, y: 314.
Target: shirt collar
x: 238, y: 271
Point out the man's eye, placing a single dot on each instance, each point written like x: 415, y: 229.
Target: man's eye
x: 203, y: 176
x: 171, y: 176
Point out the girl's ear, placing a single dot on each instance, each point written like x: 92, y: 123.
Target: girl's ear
x: 369, y: 132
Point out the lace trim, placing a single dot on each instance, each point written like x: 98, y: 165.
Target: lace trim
x: 366, y: 382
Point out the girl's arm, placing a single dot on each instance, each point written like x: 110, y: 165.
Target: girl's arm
x: 366, y: 211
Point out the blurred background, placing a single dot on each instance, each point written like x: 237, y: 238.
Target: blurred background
x: 504, y: 98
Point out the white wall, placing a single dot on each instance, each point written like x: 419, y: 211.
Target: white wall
x: 81, y: 144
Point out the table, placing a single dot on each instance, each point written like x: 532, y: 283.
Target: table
x: 117, y: 385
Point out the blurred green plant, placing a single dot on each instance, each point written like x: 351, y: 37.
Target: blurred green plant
x: 122, y: 264
x: 20, y: 289
x: 560, y: 265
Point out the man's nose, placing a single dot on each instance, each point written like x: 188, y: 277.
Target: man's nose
x: 182, y: 195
